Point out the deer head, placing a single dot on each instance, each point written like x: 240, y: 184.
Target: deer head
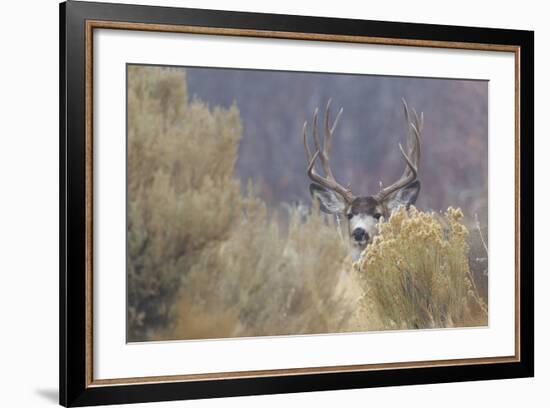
x: 362, y: 213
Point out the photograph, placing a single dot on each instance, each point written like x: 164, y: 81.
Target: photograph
x: 285, y: 203
x: 256, y: 203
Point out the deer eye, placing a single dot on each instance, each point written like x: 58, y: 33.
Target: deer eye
x: 377, y: 216
x: 349, y: 215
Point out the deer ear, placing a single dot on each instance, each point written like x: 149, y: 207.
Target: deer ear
x: 405, y: 197
x: 330, y: 202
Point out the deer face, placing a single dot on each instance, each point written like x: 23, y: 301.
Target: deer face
x: 362, y: 213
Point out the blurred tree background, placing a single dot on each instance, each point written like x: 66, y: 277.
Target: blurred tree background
x: 274, y: 105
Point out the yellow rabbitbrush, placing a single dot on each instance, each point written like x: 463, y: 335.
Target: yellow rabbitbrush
x: 415, y: 273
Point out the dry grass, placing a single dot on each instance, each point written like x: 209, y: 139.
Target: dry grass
x: 263, y: 281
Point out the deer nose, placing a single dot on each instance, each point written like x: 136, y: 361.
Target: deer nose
x: 359, y: 234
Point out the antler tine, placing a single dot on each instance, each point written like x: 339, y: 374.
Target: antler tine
x: 316, y: 177
x: 323, y: 153
x: 328, y: 183
x: 310, y: 167
x: 327, y: 143
x: 419, y: 128
x: 414, y: 129
x: 323, y: 150
x: 329, y: 130
x: 412, y: 158
x: 410, y: 164
x: 402, y: 182
x: 314, y: 130
x: 306, y: 147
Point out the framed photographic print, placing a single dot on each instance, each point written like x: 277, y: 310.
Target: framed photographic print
x: 255, y: 203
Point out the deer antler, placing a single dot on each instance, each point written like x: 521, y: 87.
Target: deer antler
x: 323, y: 153
x: 412, y: 157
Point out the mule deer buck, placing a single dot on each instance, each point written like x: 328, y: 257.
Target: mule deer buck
x: 362, y: 213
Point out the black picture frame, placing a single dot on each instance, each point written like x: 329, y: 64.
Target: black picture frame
x: 76, y: 387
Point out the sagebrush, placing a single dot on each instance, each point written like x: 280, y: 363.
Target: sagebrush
x: 182, y: 196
